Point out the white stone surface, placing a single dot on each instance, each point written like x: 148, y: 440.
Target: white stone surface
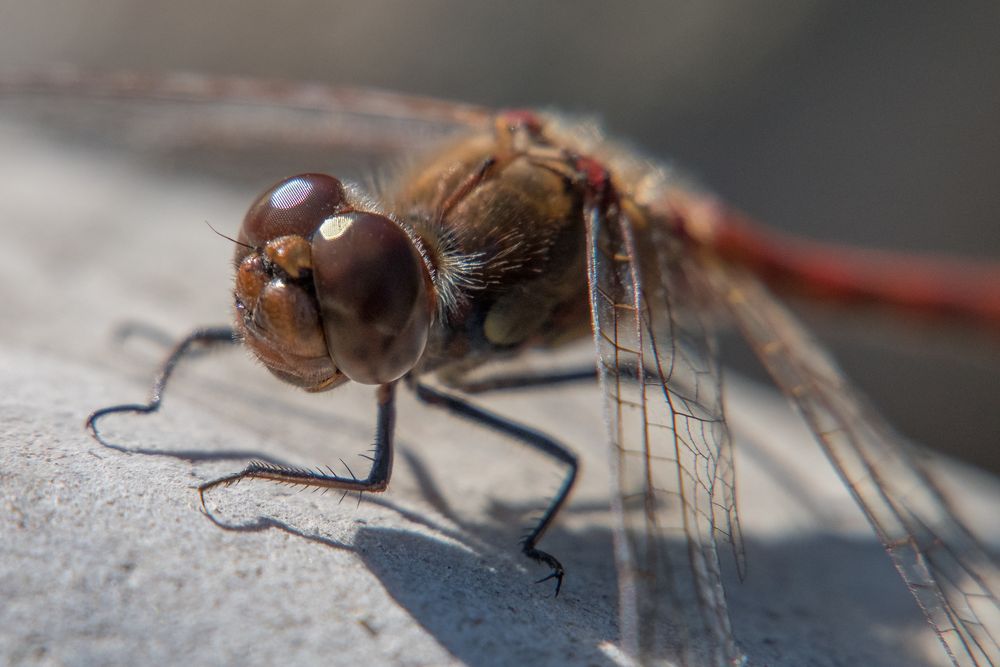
x: 106, y: 557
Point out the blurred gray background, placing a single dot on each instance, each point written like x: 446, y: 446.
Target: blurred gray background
x: 870, y: 123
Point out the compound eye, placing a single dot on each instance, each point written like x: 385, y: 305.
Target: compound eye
x: 296, y: 205
x: 373, y: 290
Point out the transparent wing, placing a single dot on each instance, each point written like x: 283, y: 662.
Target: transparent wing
x: 953, y: 579
x: 671, y: 454
x: 188, y: 111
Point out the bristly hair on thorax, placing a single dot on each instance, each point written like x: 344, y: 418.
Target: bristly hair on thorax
x: 456, y: 273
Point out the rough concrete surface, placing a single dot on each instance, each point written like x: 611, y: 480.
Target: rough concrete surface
x: 107, y: 558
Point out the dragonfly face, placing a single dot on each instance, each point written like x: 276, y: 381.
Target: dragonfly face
x: 328, y: 291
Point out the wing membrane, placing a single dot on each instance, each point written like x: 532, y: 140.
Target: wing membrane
x: 671, y: 454
x: 953, y: 579
x: 176, y: 110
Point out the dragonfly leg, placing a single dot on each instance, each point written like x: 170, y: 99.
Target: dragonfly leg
x: 530, y: 437
x: 196, y: 341
x: 504, y: 381
x: 500, y: 381
x: 377, y: 479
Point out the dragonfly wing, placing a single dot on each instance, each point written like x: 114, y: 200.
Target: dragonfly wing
x: 671, y: 454
x: 178, y: 110
x: 953, y: 579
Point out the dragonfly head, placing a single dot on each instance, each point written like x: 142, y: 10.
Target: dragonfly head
x: 329, y: 290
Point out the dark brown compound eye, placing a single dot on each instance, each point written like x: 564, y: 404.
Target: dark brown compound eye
x: 294, y: 206
x: 373, y: 291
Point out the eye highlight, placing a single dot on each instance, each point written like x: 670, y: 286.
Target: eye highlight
x: 291, y: 193
x: 297, y: 205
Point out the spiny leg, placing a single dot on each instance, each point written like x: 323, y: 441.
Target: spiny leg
x: 199, y: 338
x: 530, y: 437
x: 377, y: 479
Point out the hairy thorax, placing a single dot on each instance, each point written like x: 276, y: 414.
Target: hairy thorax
x: 508, y: 246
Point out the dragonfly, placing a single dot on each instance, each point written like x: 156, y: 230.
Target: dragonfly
x: 513, y: 230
